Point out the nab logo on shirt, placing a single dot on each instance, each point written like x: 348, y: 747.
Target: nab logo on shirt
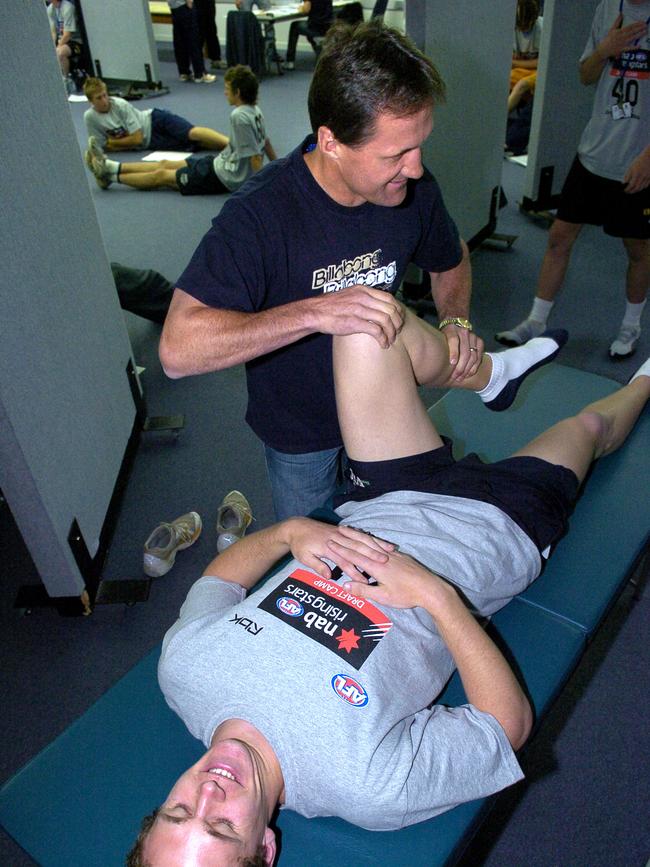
x: 350, y: 690
x: 289, y: 606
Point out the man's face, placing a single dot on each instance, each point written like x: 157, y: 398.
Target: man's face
x: 215, y: 813
x: 378, y: 171
x: 101, y: 102
x: 230, y: 95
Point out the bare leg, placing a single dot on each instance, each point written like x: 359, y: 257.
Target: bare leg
x: 147, y: 167
x: 153, y: 180
x: 562, y: 236
x: 638, y: 269
x: 209, y: 139
x: 379, y: 408
x: 64, y: 54
x: 521, y: 89
x: 597, y: 430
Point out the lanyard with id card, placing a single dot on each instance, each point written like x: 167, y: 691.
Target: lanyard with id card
x: 631, y: 66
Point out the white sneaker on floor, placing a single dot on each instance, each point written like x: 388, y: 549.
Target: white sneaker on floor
x: 626, y: 341
x: 521, y: 333
x: 96, y: 161
x: 206, y: 78
x: 289, y: 64
x: 163, y: 543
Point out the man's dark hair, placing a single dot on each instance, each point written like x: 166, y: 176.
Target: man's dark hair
x: 242, y: 79
x: 366, y: 70
x: 134, y: 857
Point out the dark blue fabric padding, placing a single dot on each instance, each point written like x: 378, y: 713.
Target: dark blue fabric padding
x: 79, y: 802
x: 611, y: 524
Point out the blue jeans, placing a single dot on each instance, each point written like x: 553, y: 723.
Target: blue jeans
x: 301, y: 483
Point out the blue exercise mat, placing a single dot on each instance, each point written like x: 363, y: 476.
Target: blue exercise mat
x: 592, y: 563
x: 80, y: 801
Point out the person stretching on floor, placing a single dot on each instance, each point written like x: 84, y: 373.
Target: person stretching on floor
x: 116, y: 125
x: 264, y: 680
x: 241, y: 155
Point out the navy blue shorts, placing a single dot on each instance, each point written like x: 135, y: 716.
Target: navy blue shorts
x: 169, y: 132
x: 589, y: 198
x: 198, y: 178
x: 537, y: 495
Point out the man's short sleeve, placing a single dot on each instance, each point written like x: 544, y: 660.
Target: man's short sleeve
x: 127, y: 115
x: 207, y: 596
x: 439, y: 248
x: 246, y: 136
x: 227, y: 269
x: 69, y: 18
x: 459, y: 754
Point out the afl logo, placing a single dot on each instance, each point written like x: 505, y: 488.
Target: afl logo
x: 349, y: 690
x: 289, y: 606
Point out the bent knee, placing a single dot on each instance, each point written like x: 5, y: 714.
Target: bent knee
x: 597, y: 427
x: 562, y: 235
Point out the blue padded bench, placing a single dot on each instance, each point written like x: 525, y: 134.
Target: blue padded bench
x: 117, y: 761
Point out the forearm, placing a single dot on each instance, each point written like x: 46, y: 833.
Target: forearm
x: 592, y: 67
x: 522, y: 63
x: 125, y: 143
x: 452, y: 290
x: 203, y: 339
x: 248, y: 559
x: 488, y: 680
x: 269, y: 150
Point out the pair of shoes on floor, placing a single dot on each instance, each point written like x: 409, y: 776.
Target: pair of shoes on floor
x: 626, y: 341
x: 622, y: 347
x: 96, y: 161
x: 206, y: 78
x: 233, y: 519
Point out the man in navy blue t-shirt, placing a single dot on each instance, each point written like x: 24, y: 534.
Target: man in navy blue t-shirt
x: 315, y: 245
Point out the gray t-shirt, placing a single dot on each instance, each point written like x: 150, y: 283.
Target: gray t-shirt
x: 614, y: 138
x: 232, y: 165
x: 120, y: 120
x: 341, y: 688
x: 63, y: 19
x: 526, y: 44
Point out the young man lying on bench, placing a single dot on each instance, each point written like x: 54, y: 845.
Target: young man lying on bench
x: 315, y: 692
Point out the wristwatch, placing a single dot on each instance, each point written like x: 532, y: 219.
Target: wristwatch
x: 456, y: 320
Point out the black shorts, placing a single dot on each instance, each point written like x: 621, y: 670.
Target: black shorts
x: 537, y: 495
x: 197, y: 178
x: 589, y: 198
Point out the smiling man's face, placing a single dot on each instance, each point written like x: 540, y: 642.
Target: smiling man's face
x: 216, y: 812
x: 378, y: 170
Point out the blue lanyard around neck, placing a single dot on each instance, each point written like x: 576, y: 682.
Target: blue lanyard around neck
x: 620, y: 9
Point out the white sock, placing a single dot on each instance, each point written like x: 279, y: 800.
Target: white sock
x: 633, y: 314
x: 112, y: 168
x: 644, y: 370
x: 541, y: 310
x: 510, y: 364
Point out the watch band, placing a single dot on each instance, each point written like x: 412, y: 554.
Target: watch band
x: 456, y: 320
